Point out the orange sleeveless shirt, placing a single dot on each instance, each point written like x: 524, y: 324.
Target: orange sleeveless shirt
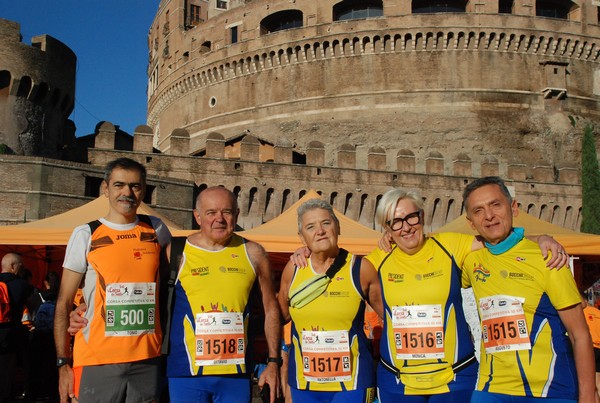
x: 122, y: 287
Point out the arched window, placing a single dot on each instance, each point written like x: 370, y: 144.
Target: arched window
x: 285, y: 200
x: 25, y: 87
x: 441, y: 6
x: 286, y: 19
x: 41, y: 93
x: 268, y: 198
x: 5, y: 78
x: 355, y: 9
x: 205, y: 47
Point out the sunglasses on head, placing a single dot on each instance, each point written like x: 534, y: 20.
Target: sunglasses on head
x: 411, y: 219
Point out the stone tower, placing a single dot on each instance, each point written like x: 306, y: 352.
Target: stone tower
x: 490, y: 79
x: 37, y: 93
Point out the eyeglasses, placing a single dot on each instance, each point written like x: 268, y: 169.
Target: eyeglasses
x: 411, y: 219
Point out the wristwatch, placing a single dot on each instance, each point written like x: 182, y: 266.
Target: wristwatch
x: 277, y: 360
x: 62, y: 361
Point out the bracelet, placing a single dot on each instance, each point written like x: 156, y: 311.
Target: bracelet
x: 62, y: 361
x: 276, y: 360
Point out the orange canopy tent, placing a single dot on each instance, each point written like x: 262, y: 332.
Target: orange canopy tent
x: 575, y: 243
x: 57, y: 229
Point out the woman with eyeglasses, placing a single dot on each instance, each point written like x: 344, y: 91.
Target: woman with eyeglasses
x: 330, y: 359
x: 427, y: 353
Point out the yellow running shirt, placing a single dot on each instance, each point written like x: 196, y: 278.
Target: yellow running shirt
x: 210, y: 316
x: 329, y: 347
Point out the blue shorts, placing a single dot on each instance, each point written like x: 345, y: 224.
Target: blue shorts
x: 210, y: 389
x: 487, y: 397
x: 354, y: 396
x: 457, y: 396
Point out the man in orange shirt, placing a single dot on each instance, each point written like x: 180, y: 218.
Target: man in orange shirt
x: 116, y: 261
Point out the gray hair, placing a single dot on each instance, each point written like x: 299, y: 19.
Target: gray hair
x: 389, y: 200
x: 488, y: 180
x: 313, y: 204
x: 128, y: 165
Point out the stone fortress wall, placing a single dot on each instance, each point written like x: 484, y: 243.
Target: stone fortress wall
x: 266, y: 188
x: 268, y: 181
x: 37, y: 93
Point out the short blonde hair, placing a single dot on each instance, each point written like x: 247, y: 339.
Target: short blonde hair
x: 389, y: 200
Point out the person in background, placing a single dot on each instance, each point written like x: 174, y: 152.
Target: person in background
x: 18, y: 294
x: 592, y: 318
x: 43, y: 379
x: 286, y: 344
x: 373, y: 329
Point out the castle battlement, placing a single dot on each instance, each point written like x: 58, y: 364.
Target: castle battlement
x: 267, y: 180
x: 37, y: 93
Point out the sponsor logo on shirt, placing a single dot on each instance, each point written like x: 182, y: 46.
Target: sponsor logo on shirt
x: 520, y: 276
x: 338, y: 294
x: 126, y: 236
x: 138, y: 253
x: 396, y: 277
x: 232, y: 270
x: 199, y: 271
x: 432, y: 274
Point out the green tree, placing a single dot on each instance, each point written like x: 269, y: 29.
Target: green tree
x: 590, y: 183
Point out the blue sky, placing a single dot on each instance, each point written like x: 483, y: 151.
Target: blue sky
x: 109, y: 38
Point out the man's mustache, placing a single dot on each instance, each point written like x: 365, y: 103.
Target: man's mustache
x: 127, y: 199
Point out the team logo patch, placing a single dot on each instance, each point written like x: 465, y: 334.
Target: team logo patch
x: 481, y: 273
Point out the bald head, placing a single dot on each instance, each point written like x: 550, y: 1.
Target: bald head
x: 11, y: 263
x: 217, y: 190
